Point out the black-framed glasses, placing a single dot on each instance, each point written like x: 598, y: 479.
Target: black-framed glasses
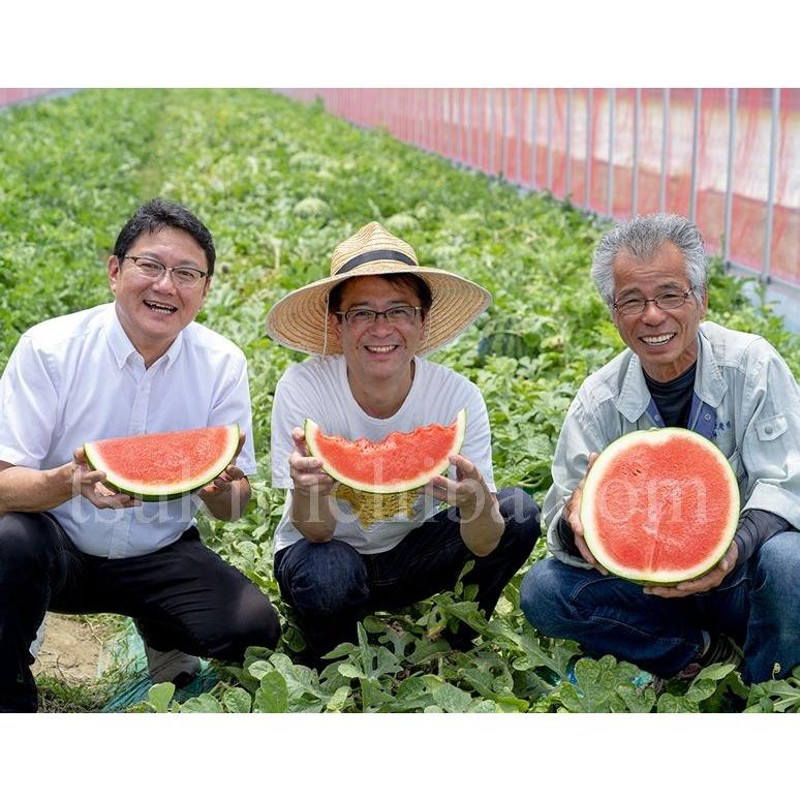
x: 397, y: 315
x: 185, y: 277
x: 666, y: 301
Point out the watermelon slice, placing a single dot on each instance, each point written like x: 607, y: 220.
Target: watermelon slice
x: 399, y: 463
x: 660, y: 506
x: 163, y: 466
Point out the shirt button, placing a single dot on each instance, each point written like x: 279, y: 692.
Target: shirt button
x: 768, y: 430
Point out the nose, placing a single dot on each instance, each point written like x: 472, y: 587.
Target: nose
x: 166, y: 274
x: 651, y: 309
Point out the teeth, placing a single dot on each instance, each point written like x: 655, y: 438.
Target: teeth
x: 657, y: 339
x: 160, y: 308
x: 386, y: 348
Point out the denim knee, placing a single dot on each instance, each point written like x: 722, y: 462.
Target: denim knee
x: 522, y: 520
x: 777, y: 566
x: 538, y: 592
x: 323, y: 577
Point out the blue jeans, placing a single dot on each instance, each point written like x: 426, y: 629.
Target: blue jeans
x: 183, y: 596
x: 331, y: 586
x: 757, y: 605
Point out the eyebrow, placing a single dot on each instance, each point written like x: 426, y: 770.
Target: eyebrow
x: 659, y: 289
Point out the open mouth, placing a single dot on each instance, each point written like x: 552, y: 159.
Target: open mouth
x: 380, y: 349
x: 160, y: 308
x: 655, y: 341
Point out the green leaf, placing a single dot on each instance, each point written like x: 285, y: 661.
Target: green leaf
x: 272, y: 697
x: 237, y: 700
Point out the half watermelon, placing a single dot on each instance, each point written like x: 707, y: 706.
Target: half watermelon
x: 398, y: 463
x: 660, y: 506
x: 164, y: 466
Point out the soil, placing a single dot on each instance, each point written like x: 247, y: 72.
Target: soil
x: 71, y: 648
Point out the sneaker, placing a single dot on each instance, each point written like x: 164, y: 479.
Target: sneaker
x: 171, y: 666
x: 720, y: 650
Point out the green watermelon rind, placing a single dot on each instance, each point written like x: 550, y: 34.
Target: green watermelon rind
x: 312, y: 430
x: 172, y: 491
x: 662, y: 577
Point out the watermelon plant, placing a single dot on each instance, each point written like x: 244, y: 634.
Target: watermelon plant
x: 280, y: 184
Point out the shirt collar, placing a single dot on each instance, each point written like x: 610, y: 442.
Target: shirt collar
x: 122, y: 348
x: 709, y: 385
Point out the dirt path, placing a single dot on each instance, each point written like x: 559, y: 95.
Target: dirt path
x: 71, y: 648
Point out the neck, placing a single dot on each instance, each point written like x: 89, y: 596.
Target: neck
x: 382, y: 400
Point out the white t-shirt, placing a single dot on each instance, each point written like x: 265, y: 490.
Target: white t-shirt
x: 77, y: 378
x: 318, y: 389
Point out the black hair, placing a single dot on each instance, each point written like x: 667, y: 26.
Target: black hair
x: 158, y: 213
x: 408, y: 280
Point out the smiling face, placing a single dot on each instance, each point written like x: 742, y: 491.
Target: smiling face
x: 378, y: 353
x: 153, y: 312
x: 665, y: 341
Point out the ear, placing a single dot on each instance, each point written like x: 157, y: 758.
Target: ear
x: 113, y: 267
x: 704, y: 304
x: 206, y: 289
x: 335, y: 323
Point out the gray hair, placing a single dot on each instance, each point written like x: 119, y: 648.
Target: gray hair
x: 642, y: 237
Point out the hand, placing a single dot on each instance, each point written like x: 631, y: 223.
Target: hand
x: 223, y: 483
x: 312, y: 510
x: 306, y: 471
x: 88, y: 483
x: 704, y: 583
x: 468, y: 492
x: 572, y: 514
x: 481, y: 524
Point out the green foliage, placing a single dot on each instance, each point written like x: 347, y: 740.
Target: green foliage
x: 280, y: 184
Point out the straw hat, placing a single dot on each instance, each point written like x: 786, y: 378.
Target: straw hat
x: 300, y: 319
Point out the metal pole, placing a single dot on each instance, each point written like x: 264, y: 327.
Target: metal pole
x: 610, y: 185
x: 504, y: 140
x: 534, y: 102
x: 550, y: 104
x: 468, y: 120
x: 695, y: 156
x: 637, y: 104
x: 662, y: 189
x: 568, y: 149
x: 520, y: 128
x: 587, y: 193
x: 773, y: 166
x: 733, y: 102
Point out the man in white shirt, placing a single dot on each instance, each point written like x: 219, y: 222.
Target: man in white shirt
x: 369, y: 325
x: 138, y: 365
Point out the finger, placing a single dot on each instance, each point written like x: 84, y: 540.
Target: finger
x: 299, y: 439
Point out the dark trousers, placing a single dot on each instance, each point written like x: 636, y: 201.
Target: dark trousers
x: 183, y: 597
x: 330, y: 586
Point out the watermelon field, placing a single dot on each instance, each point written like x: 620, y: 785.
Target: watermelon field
x: 280, y: 184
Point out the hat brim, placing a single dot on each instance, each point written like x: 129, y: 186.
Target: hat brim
x: 300, y: 319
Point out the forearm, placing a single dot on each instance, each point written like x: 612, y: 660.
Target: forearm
x: 481, y: 531
x: 32, y: 490
x: 755, y: 527
x: 313, y: 515
x: 229, y: 505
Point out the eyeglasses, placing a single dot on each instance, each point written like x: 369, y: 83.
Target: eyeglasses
x: 397, y: 315
x: 665, y: 301
x: 185, y: 277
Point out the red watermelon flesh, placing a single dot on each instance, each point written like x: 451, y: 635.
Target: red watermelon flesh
x: 400, y: 462
x: 163, y: 466
x: 660, y: 506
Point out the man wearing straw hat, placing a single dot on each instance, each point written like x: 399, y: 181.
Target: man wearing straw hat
x: 369, y: 325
